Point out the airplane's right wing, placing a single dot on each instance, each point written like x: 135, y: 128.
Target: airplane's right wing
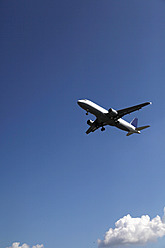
x: 122, y: 112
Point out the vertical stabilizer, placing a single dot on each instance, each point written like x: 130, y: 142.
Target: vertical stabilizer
x: 134, y: 122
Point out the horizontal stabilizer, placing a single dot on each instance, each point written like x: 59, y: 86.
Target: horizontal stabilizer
x: 138, y: 129
x: 129, y: 133
x: 141, y: 128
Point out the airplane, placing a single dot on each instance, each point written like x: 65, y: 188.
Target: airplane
x: 111, y: 117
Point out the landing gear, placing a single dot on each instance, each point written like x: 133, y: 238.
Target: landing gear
x: 103, y: 129
x: 86, y: 113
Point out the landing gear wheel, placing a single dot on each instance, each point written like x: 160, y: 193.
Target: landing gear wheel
x: 102, y: 129
x: 86, y: 113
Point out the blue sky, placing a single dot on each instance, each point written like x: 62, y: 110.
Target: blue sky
x: 58, y: 186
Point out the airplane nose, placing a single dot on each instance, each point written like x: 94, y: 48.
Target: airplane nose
x: 79, y: 102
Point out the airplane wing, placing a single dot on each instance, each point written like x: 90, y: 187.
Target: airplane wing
x: 141, y: 128
x: 122, y: 112
x: 95, y: 125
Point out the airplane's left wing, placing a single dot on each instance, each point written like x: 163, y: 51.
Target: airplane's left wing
x: 122, y: 112
x: 95, y: 125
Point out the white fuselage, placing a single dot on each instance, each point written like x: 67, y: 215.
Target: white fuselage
x: 102, y: 115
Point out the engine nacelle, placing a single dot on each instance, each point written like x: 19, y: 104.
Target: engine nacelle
x: 112, y: 112
x: 90, y: 122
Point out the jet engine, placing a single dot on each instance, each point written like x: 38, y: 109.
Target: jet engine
x: 112, y: 112
x: 90, y: 122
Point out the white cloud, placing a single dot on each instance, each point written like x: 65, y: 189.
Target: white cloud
x: 38, y: 246
x: 17, y: 245
x: 134, y: 231
x: 163, y: 219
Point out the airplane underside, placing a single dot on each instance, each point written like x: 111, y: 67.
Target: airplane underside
x: 111, y: 117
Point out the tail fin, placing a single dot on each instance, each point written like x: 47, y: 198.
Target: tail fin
x: 134, y: 122
x: 141, y: 128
